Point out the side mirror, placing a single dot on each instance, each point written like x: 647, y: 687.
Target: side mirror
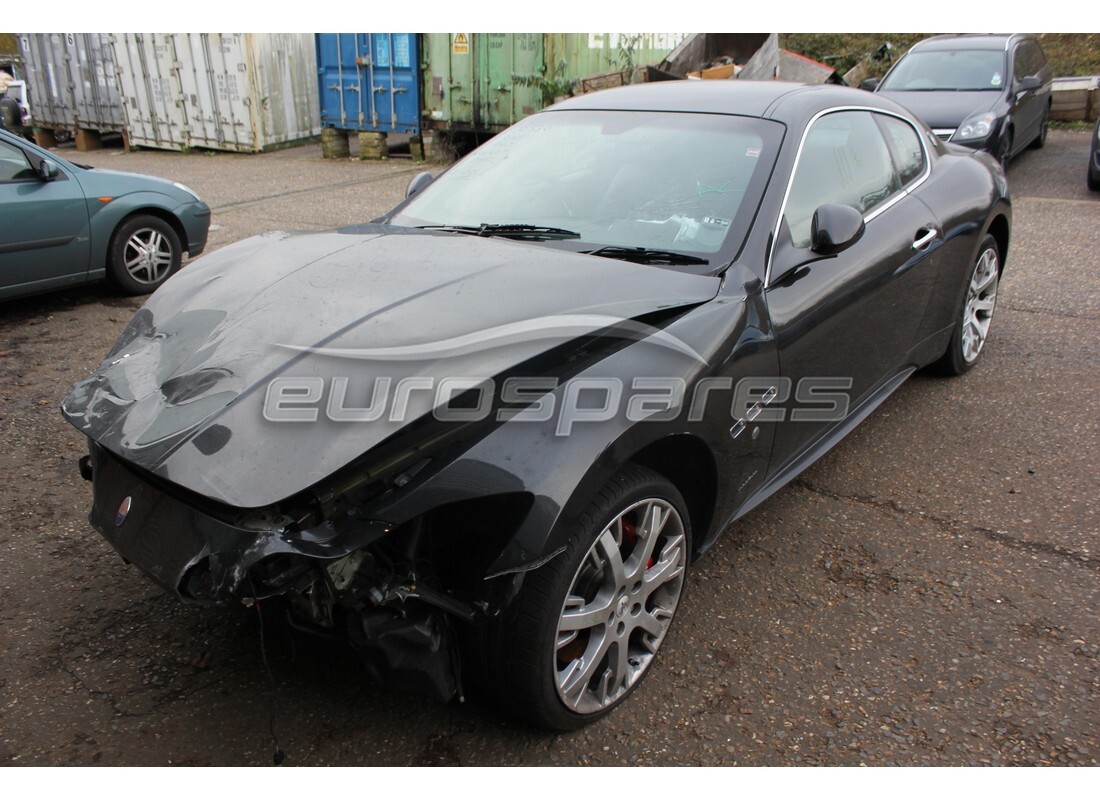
x: 869, y: 85
x: 835, y: 228
x: 1028, y: 84
x: 419, y: 182
x: 47, y: 170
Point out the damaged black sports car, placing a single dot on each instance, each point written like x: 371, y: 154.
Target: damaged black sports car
x: 487, y: 434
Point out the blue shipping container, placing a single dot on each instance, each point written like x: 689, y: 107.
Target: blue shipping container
x: 369, y: 81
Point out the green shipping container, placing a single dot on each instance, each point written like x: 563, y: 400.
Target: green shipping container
x: 484, y: 82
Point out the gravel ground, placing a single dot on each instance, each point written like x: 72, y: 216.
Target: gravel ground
x: 925, y: 594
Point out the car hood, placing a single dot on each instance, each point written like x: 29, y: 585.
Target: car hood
x: 945, y: 109
x: 111, y: 183
x: 186, y: 392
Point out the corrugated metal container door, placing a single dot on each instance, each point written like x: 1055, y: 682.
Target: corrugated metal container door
x: 213, y: 77
x: 369, y: 81
x: 284, y: 68
x: 48, y: 84
x: 150, y: 86
x: 447, y: 78
x: 97, y: 100
x: 511, y: 69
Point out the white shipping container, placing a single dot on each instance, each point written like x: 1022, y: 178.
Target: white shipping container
x: 71, y: 81
x: 242, y: 92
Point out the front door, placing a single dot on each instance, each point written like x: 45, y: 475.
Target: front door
x: 845, y: 323
x: 43, y: 226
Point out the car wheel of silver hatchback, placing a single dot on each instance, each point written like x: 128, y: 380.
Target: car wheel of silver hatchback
x: 589, y: 623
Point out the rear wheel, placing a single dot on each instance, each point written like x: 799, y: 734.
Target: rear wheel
x: 976, y: 314
x: 144, y: 252
x: 586, y: 627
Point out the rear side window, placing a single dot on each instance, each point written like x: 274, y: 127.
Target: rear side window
x: 906, y: 145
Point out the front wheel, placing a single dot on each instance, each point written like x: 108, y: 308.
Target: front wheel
x: 586, y: 627
x: 976, y: 315
x: 144, y: 252
x: 1004, y: 150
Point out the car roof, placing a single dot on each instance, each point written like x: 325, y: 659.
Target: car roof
x: 968, y: 41
x: 778, y: 100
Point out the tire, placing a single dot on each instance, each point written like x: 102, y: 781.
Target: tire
x: 975, y: 313
x: 625, y: 567
x: 143, y: 253
x: 1044, y: 125
x: 1004, y: 150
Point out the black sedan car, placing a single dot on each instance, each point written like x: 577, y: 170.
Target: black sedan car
x: 988, y: 92
x: 486, y: 435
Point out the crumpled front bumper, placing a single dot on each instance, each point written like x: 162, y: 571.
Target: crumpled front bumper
x: 197, y: 556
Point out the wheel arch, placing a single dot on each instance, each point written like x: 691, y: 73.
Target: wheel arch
x: 107, y: 219
x: 682, y: 458
x: 689, y: 465
x: 153, y: 211
x: 999, y: 229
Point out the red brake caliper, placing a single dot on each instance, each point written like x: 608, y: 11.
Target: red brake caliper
x: 630, y: 538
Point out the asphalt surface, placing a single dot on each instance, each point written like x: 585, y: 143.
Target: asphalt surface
x: 925, y: 594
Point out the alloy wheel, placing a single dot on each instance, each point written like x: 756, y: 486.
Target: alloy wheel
x: 981, y: 298
x: 147, y: 256
x: 620, y: 605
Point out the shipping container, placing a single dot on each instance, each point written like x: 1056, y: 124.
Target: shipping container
x: 481, y: 81
x: 223, y: 91
x: 369, y: 81
x: 71, y: 82
x: 469, y: 82
x: 484, y: 82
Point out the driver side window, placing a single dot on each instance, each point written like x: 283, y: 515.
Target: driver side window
x: 14, y: 165
x: 844, y: 161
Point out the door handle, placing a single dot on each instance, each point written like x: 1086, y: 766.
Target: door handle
x: 922, y: 241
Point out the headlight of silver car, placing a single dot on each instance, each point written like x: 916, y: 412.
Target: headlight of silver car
x: 976, y: 127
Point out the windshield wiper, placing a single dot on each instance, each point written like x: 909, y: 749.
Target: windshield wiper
x: 507, y: 230
x: 644, y: 255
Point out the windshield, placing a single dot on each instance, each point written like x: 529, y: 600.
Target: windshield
x: 948, y: 70
x: 684, y: 183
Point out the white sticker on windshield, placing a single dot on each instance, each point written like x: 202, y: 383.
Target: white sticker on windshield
x: 753, y: 152
x: 716, y: 221
x: 996, y: 81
